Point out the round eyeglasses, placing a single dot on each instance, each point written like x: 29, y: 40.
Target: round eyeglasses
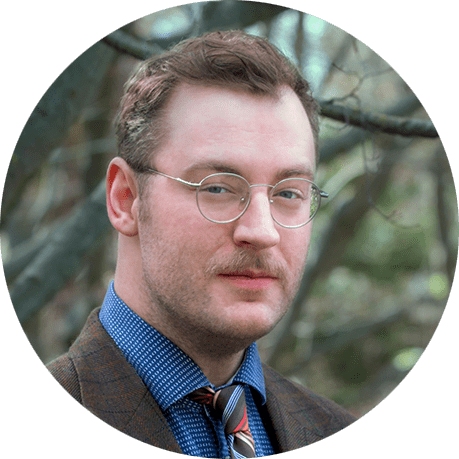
x: 224, y: 197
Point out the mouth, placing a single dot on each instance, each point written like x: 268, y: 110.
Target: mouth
x: 251, y: 280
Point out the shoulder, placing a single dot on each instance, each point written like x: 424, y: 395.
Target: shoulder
x: 69, y: 367
x: 305, y: 405
x: 64, y: 371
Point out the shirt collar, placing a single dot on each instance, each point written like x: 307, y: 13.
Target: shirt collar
x: 165, y: 369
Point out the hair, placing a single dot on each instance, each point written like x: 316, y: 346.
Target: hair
x: 233, y: 59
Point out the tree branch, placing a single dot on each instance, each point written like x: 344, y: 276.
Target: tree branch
x: 59, y: 258
x: 376, y: 122
x: 126, y: 43
x: 216, y: 15
x: 330, y: 147
x: 407, y: 127
x: 77, y: 87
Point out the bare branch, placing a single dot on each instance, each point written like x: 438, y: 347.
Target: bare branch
x: 361, y: 79
x: 332, y: 146
x: 77, y: 87
x: 60, y: 257
x: 129, y: 44
x: 215, y: 15
x: 407, y: 127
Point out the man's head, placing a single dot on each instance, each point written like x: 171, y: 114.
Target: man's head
x: 231, y: 60
x: 207, y: 285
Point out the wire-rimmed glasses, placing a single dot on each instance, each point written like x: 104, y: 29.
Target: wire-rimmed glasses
x: 224, y: 197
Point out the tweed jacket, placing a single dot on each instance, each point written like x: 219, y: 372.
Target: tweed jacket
x: 95, y: 372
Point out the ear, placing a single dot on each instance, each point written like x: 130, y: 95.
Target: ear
x: 122, y: 197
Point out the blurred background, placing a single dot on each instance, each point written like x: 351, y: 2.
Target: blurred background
x: 384, y: 246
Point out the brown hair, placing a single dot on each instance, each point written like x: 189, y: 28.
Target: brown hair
x: 231, y: 59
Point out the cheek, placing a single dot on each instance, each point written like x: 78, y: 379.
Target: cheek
x: 185, y: 220
x: 295, y: 246
x: 194, y: 239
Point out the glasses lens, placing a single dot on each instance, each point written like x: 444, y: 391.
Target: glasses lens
x: 223, y: 198
x: 294, y: 202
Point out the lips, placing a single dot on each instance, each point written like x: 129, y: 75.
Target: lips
x: 250, y: 274
x: 248, y: 279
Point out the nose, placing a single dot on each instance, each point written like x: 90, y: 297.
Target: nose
x: 256, y: 228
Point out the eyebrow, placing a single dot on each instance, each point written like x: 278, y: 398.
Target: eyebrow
x: 212, y: 165
x: 299, y: 170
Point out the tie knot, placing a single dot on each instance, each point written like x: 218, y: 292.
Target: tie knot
x: 204, y: 395
x: 220, y: 399
x: 229, y: 404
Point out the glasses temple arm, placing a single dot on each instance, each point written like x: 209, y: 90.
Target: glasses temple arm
x: 153, y: 171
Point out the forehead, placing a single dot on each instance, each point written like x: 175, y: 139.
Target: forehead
x: 254, y: 134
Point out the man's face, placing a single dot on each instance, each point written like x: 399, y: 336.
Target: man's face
x: 228, y: 283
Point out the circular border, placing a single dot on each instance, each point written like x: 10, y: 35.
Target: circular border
x: 406, y: 422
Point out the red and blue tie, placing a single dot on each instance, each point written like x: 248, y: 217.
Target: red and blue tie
x: 229, y: 404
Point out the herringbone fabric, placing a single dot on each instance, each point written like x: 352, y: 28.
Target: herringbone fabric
x: 229, y: 404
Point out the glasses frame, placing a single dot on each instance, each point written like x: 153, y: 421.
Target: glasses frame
x: 321, y: 194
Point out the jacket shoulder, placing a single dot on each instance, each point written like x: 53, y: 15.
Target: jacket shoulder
x: 69, y: 368
x: 319, y: 415
x: 64, y: 371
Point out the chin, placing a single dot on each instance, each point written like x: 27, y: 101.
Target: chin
x: 254, y: 321
x: 233, y: 333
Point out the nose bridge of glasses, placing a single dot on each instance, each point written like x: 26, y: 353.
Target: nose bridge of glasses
x: 262, y: 201
x: 260, y: 185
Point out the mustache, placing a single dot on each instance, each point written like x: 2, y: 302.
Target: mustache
x: 243, y: 260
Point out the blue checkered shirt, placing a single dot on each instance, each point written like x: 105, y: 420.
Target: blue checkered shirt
x: 171, y: 375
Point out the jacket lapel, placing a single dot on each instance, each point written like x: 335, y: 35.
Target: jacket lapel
x: 287, y: 412
x: 112, y: 390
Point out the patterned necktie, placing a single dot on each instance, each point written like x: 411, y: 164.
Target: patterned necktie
x: 229, y: 404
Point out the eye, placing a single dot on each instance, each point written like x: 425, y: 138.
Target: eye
x: 215, y: 188
x: 291, y: 191
x: 288, y: 194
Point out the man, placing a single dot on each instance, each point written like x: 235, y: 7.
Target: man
x: 212, y: 196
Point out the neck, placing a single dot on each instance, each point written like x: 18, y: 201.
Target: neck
x: 216, y: 358
x: 218, y: 370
